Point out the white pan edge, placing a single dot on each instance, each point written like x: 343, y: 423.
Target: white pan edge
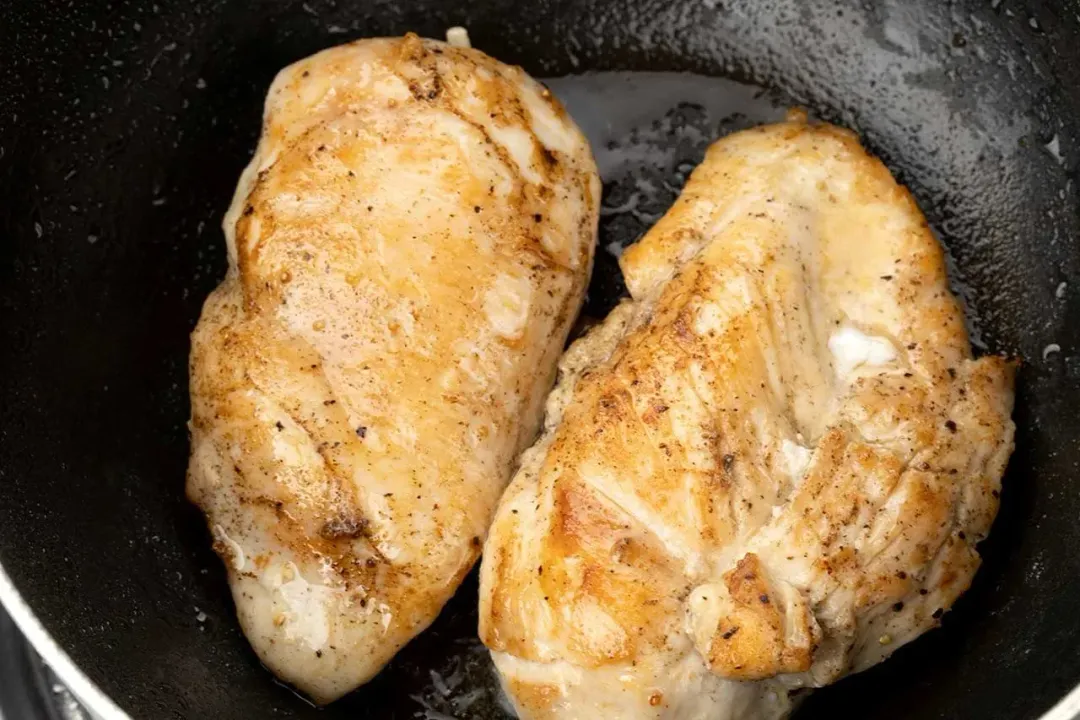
x: 100, y: 705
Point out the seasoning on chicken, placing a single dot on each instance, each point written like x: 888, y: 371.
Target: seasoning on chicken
x: 407, y: 252
x: 768, y: 469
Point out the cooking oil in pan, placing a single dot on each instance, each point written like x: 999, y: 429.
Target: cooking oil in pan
x: 648, y: 131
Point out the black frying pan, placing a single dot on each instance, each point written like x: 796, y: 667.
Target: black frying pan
x: 124, y: 127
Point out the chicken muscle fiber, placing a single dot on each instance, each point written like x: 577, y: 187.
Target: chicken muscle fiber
x: 407, y: 252
x: 768, y: 469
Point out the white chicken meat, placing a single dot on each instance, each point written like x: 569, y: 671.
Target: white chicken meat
x: 768, y: 469
x: 407, y: 252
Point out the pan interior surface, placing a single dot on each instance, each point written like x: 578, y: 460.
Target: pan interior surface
x: 123, y: 130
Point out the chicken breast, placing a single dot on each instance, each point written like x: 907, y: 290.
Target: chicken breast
x: 407, y: 252
x: 768, y: 469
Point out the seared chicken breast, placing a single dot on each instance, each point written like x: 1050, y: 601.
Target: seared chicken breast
x: 407, y: 252
x: 768, y: 469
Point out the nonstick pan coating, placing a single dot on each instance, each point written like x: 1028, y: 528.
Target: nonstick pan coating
x: 124, y: 127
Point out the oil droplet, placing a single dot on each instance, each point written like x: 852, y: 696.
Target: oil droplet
x: 1054, y: 148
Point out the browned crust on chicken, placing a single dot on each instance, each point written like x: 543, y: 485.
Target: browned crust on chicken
x: 408, y: 250
x: 773, y: 464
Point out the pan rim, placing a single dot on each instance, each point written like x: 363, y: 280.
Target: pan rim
x: 1068, y: 708
x: 102, y: 707
x: 85, y: 690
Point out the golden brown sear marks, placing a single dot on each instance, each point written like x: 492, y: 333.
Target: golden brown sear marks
x: 766, y: 470
x: 407, y: 251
